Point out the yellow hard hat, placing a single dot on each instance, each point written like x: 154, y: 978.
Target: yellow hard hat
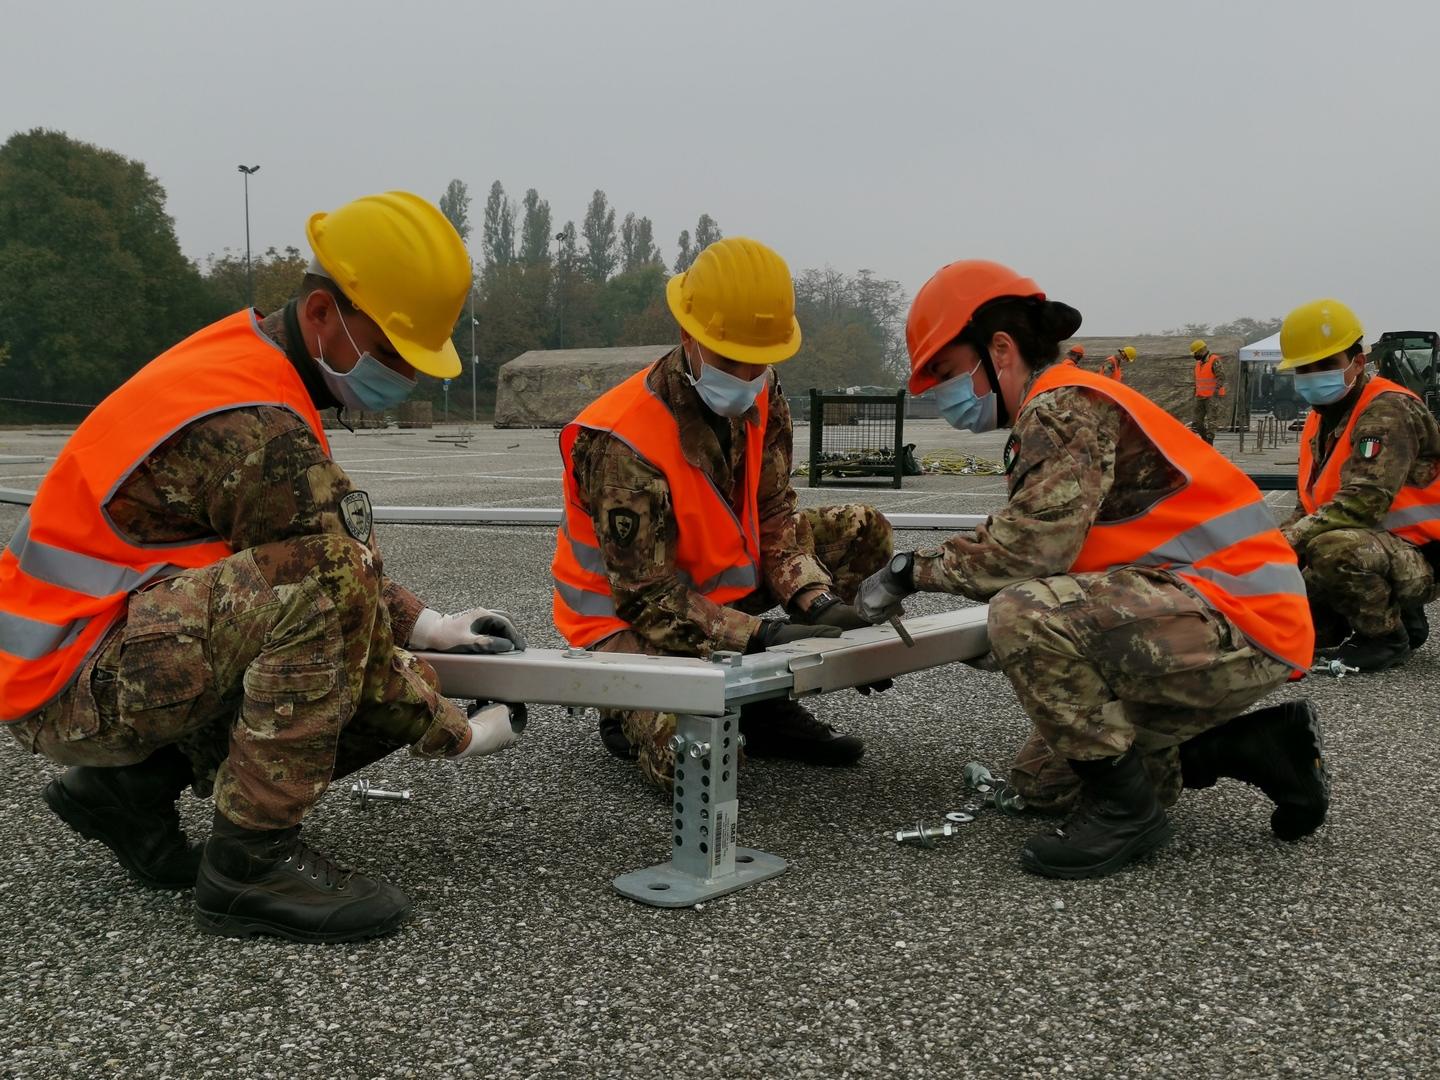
x: 1129, y: 351
x: 400, y: 261
x: 1315, y: 331
x: 1197, y: 347
x: 738, y: 300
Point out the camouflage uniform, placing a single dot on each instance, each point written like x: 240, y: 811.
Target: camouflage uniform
x: 275, y: 669
x: 1353, y: 566
x: 1209, y: 409
x: 1100, y: 661
x: 836, y: 547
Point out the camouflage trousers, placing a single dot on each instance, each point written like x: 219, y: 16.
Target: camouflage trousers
x: 1207, y: 411
x: 851, y: 542
x: 1105, y: 661
x: 1366, y: 576
x: 272, y: 670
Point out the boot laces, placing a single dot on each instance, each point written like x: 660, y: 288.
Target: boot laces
x: 321, y: 868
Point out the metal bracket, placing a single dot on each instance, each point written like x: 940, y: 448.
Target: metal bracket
x: 706, y: 861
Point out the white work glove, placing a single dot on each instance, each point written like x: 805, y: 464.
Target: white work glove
x: 478, y: 630
x: 494, y: 726
x: 880, y: 596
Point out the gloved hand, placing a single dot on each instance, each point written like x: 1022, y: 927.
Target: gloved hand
x: 880, y: 596
x: 829, y: 610
x: 478, y: 630
x: 780, y: 632
x: 494, y: 726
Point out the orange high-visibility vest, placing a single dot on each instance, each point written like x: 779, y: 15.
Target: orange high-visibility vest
x: 1114, y: 369
x: 1206, y: 382
x: 1415, y: 513
x: 1215, y: 533
x: 67, y: 574
x: 717, y: 553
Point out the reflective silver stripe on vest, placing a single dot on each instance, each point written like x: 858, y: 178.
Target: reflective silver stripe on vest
x: 584, y: 601
x: 587, y: 555
x: 30, y: 639
x: 1205, y: 539
x: 737, y: 577
x: 590, y: 558
x: 1265, y: 580
x: 1411, y: 515
x: 71, y: 570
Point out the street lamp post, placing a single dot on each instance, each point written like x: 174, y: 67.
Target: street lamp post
x: 474, y: 356
x: 560, y: 284
x: 249, y: 276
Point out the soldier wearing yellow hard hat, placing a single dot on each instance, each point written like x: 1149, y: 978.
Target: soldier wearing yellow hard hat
x: 681, y: 525
x: 1209, y: 385
x: 1113, y: 366
x: 1366, y: 523
x: 206, y: 608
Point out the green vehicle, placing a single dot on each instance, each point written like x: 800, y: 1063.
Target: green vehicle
x: 1412, y: 359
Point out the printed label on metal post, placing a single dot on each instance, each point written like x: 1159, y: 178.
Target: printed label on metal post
x: 723, y: 848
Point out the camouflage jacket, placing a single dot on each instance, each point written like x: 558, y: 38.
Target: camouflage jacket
x: 250, y: 476
x: 1408, y: 442
x: 641, y: 567
x: 1074, y: 458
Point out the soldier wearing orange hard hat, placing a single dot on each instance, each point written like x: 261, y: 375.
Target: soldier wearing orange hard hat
x: 196, y: 599
x: 1140, y: 594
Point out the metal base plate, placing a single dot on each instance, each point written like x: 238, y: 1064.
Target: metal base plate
x: 664, y: 886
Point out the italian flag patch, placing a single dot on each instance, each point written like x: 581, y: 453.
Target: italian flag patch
x: 1369, y: 446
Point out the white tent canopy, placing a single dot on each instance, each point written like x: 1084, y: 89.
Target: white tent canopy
x: 1262, y: 352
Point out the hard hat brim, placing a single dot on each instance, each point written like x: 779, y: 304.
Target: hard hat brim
x: 441, y: 363
x: 730, y: 350
x: 1289, y: 363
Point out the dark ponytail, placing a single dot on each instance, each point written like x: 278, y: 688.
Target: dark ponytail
x: 1038, y: 327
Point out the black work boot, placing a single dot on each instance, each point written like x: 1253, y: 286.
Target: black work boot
x: 131, y: 810
x: 1417, y: 626
x: 781, y: 728
x: 1374, y: 653
x: 1280, y: 751
x: 1117, y: 820
x: 264, y: 881
x: 612, y: 734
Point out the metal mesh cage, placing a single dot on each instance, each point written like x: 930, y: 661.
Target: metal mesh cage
x: 856, y: 436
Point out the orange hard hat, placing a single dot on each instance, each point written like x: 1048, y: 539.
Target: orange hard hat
x: 1078, y: 350
x: 947, y: 302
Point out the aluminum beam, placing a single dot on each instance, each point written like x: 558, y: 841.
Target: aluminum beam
x: 537, y: 515
x: 14, y: 495
x: 581, y: 679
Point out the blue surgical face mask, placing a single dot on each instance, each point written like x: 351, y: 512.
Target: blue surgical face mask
x: 1322, y: 387
x: 725, y: 394
x: 964, y: 409
x: 369, y: 386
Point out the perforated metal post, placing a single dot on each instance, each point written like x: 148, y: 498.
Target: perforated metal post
x: 705, y: 860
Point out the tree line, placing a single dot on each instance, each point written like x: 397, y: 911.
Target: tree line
x: 93, y: 283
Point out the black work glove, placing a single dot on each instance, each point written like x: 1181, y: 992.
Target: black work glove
x: 780, y: 632
x: 827, y: 609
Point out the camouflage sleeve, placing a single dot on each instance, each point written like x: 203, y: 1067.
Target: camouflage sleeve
x: 250, y: 476
x: 1063, y: 463
x: 629, y: 503
x: 1392, y: 433
x: 1219, y: 373
x: 787, y: 569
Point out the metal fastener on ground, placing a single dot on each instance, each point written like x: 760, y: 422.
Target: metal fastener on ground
x: 364, y: 794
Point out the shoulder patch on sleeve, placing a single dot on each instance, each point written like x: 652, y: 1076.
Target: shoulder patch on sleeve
x: 622, y: 525
x: 1012, y: 452
x: 1369, y: 446
x: 356, y: 516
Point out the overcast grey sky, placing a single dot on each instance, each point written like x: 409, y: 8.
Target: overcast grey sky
x: 1150, y: 162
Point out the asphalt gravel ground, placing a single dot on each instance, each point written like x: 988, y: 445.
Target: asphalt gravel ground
x: 1226, y: 954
